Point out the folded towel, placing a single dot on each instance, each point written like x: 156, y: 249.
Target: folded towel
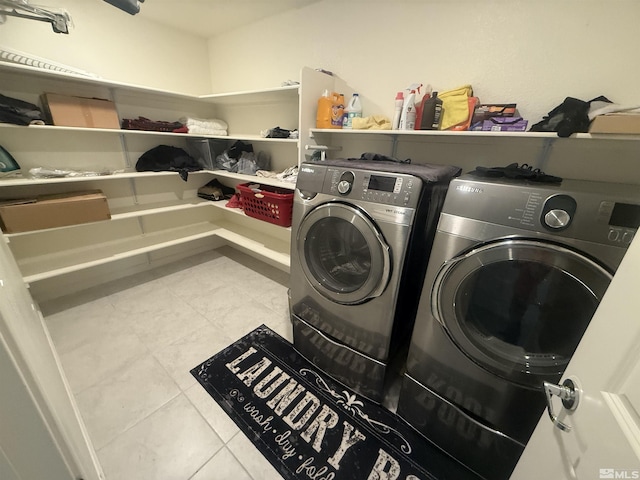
x: 203, y: 126
x: 373, y: 122
x: 455, y: 106
x: 199, y: 130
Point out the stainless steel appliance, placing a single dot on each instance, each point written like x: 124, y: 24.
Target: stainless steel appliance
x: 517, y: 270
x: 360, y: 246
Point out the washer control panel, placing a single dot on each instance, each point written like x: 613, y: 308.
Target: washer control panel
x: 377, y: 187
x: 623, y: 220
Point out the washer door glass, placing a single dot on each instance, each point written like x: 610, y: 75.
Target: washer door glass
x: 519, y: 308
x: 343, y: 254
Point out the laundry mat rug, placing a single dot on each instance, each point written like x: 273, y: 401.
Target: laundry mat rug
x: 309, y: 426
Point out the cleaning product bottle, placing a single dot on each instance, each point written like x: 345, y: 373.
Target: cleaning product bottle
x: 398, y: 111
x: 408, y: 116
x: 337, y: 110
x: 420, y: 106
x: 432, y: 113
x: 323, y: 114
x: 353, y: 110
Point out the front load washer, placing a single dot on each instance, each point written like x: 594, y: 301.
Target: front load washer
x: 516, y: 272
x: 356, y: 273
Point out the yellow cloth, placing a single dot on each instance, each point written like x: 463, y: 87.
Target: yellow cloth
x: 455, y: 104
x: 373, y: 122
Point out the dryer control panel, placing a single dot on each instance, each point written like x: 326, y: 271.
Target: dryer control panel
x: 598, y: 212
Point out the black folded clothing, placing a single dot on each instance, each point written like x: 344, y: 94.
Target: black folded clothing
x: 214, y: 190
x: 519, y: 172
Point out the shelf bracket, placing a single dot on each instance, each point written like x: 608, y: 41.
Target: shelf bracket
x: 394, y: 145
x: 545, y: 153
x: 125, y: 152
x: 134, y: 192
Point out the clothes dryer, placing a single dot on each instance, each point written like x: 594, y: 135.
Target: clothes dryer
x: 361, y: 235
x: 517, y: 270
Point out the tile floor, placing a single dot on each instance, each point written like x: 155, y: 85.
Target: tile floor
x: 127, y: 348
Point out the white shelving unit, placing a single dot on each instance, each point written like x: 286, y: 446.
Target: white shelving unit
x: 156, y: 216
x: 597, y: 157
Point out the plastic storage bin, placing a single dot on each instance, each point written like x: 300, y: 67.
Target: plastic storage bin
x: 264, y: 202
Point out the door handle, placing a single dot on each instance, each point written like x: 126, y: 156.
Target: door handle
x: 569, y: 395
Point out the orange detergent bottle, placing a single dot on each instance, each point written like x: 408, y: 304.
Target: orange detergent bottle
x: 323, y: 115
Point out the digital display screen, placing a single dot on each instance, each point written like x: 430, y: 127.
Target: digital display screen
x: 625, y: 215
x: 383, y: 184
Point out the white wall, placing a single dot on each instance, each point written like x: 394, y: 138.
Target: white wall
x: 115, y: 45
x: 533, y: 52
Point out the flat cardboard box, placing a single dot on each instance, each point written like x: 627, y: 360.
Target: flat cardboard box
x: 64, y: 110
x: 504, y: 124
x: 50, y: 211
x: 625, y: 123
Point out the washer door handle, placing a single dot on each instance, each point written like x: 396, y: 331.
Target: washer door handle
x: 569, y: 395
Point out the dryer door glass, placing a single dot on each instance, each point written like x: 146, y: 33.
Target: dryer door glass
x: 343, y: 254
x: 518, y: 308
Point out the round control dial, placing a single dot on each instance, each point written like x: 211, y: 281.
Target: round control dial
x: 344, y: 187
x: 558, y: 212
x: 345, y: 183
x: 557, y: 218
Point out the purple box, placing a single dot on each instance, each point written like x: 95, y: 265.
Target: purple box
x: 504, y: 124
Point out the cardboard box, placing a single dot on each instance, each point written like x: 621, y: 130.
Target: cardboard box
x: 70, y: 111
x: 50, y: 211
x: 502, y: 124
x: 628, y: 123
x: 486, y: 111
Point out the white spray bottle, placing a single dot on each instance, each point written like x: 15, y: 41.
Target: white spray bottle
x: 408, y: 116
x: 398, y: 111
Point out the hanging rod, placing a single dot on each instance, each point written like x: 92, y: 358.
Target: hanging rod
x: 59, y: 20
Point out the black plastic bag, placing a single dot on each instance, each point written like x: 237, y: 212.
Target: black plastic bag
x: 571, y: 116
x: 18, y: 112
x: 167, y: 158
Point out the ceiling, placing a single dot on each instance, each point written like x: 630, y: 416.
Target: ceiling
x: 207, y: 18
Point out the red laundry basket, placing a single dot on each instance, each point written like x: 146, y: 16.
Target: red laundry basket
x: 268, y: 203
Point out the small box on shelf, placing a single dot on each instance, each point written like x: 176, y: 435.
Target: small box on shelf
x: 504, y: 124
x: 623, y: 123
x: 51, y: 211
x: 68, y: 111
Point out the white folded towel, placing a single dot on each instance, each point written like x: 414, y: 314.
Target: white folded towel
x: 205, y: 126
x: 198, y: 130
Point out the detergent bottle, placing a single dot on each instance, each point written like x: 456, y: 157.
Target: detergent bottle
x: 353, y: 110
x: 337, y: 110
x: 323, y: 114
x: 432, y: 113
x: 420, y: 106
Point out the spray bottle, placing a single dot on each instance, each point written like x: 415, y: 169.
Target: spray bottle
x: 398, y: 111
x: 408, y: 116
